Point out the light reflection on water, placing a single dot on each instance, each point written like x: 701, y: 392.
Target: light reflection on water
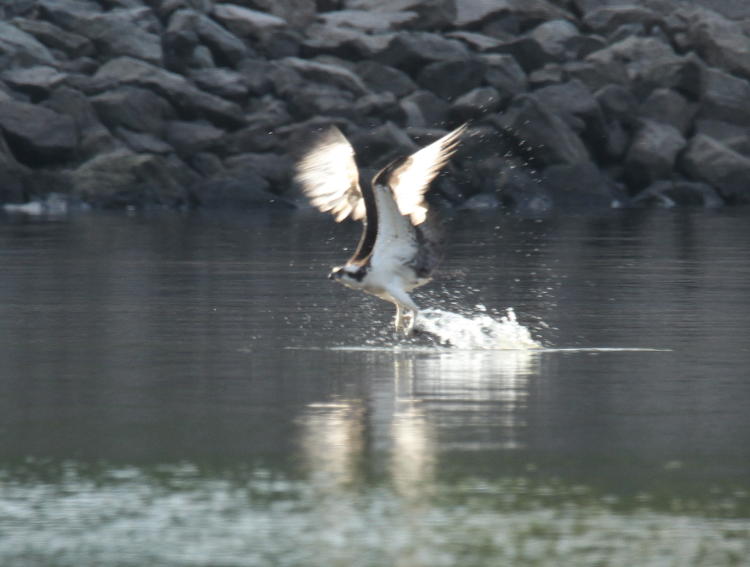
x: 187, y: 391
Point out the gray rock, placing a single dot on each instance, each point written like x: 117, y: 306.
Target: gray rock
x: 297, y: 13
x: 120, y: 178
x: 381, y: 79
x: 451, y: 78
x: 709, y: 160
x: 12, y: 175
x: 424, y: 109
x: 221, y: 82
x: 529, y: 52
x: 318, y: 99
x: 187, y: 28
x: 476, y: 41
x: 134, y: 108
x: 560, y: 39
x: 733, y: 136
x: 343, y: 42
x: 411, y: 51
x: 597, y: 74
x: 573, y: 102
x: 606, y: 19
x: 36, y: 135
x: 255, y: 74
x: 725, y: 97
x: 546, y: 136
x: 193, y: 137
x: 476, y: 103
x: 580, y: 185
x: 66, y: 13
x: 141, y: 142
x: 481, y: 202
x: 669, y: 107
x: 93, y: 136
x: 550, y: 74
x: 18, y: 48
x: 376, y: 147
x: 274, y: 168
x: 473, y: 13
x: 246, y: 22
x: 36, y: 81
x: 505, y: 74
x: 120, y: 32
x: 185, y: 96
x: 207, y: 164
x: 652, y: 153
x: 368, y: 20
x: 720, y: 41
x: 682, y: 193
x: 333, y: 75
x: 370, y: 110
x: 431, y: 14
x: 617, y: 102
x: 72, y: 44
x: 240, y: 190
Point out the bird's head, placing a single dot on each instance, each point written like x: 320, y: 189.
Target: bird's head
x: 350, y: 276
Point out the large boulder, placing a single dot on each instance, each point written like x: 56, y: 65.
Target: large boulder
x: 37, y: 136
x: 183, y: 94
x: 187, y: 29
x: 72, y: 44
x: 711, y: 161
x: 505, y: 74
x: 134, y: 108
x: 547, y: 137
x: 380, y: 78
x: 451, y: 78
x: 19, y: 48
x: 36, y: 81
x: 725, y: 97
x: 670, y: 107
x: 652, y: 153
x: 429, y: 14
x: 411, y: 51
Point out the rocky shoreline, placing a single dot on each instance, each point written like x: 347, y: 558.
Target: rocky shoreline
x: 205, y: 103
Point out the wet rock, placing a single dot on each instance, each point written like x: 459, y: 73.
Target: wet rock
x: 505, y: 74
x: 430, y: 14
x: 375, y: 148
x: 36, y: 135
x: 242, y: 190
x: 36, y: 81
x: 72, y: 44
x: 221, y: 82
x: 411, y: 51
x: 543, y: 134
x: 709, y: 160
x: 682, y: 193
x: 652, y: 153
x: 424, y: 109
x: 381, y: 78
x: 174, y: 87
x: 122, y: 178
x: 580, y: 185
x: 669, y: 107
x: 92, y: 135
x: 274, y: 168
x: 134, y: 108
x: 245, y: 22
x: 448, y: 79
x: 481, y: 202
x: 19, y: 48
x: 725, y: 97
x: 476, y: 103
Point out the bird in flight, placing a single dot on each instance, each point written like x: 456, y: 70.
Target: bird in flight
x: 399, y: 246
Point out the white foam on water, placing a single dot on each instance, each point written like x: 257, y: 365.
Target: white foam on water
x: 477, y: 331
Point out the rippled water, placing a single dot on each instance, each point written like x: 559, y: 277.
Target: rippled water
x: 189, y: 390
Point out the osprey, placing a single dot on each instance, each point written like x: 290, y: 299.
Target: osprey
x: 398, y: 249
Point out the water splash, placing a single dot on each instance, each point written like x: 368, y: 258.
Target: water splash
x: 477, y: 331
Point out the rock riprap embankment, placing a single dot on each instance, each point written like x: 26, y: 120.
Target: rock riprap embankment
x: 204, y: 103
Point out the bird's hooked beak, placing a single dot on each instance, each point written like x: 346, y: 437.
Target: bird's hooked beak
x: 334, y: 274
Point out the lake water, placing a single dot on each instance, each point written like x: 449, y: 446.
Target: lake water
x: 191, y: 390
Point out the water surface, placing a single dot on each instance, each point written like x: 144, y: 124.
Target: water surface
x: 192, y: 390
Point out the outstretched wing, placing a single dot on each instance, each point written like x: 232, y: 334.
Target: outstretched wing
x: 411, y: 178
x: 329, y: 177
